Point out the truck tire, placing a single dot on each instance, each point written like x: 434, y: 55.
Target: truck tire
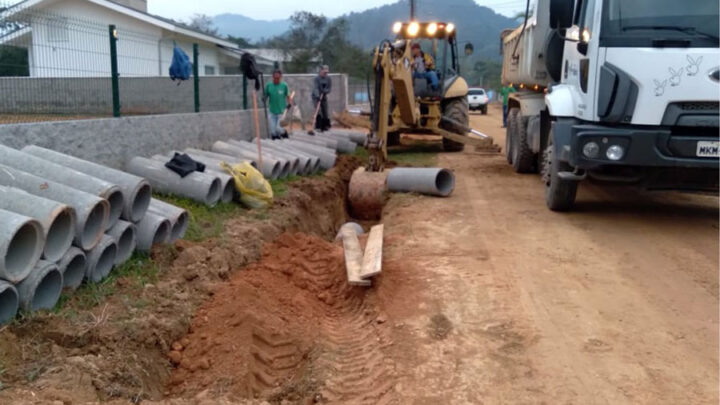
x: 458, y: 111
x: 510, y: 134
x: 523, y: 158
x: 559, y: 194
x: 483, y: 109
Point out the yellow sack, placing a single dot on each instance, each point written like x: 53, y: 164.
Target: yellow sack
x: 255, y: 191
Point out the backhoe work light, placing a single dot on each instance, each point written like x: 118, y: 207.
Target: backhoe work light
x: 432, y: 28
x: 397, y: 27
x: 413, y: 29
x: 450, y: 28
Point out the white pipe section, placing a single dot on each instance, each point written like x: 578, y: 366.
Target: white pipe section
x: 153, y: 229
x: 178, y: 217
x: 91, y: 211
x: 227, y: 184
x: 305, y: 164
x: 57, y: 219
x: 9, y: 302
x: 294, y: 162
x: 101, y: 259
x: 432, y: 181
x: 202, y: 187
x: 327, y: 157
x: 21, y: 245
x: 314, y: 160
x: 125, y: 235
x: 270, y: 170
x: 136, y: 190
x: 69, y: 177
x: 42, y: 288
x: 268, y: 162
x: 73, y: 267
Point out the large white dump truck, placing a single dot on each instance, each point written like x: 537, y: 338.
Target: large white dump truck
x: 614, y: 91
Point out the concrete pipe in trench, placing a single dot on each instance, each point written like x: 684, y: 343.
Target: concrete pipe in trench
x: 125, y: 235
x: 21, y: 245
x: 67, y: 176
x: 227, y: 184
x: 178, y: 217
x: 91, y: 212
x: 73, y: 267
x: 203, y: 187
x: 136, y: 190
x: 431, y: 181
x: 58, y: 219
x: 153, y: 229
x: 101, y: 259
x: 268, y: 161
x: 9, y: 302
x: 42, y: 288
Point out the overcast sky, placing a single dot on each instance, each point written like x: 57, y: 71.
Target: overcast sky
x: 279, y: 9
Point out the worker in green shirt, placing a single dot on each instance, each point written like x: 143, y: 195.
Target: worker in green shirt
x: 278, y: 95
x: 505, y: 93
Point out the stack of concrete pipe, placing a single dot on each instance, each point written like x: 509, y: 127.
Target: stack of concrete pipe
x: 70, y: 221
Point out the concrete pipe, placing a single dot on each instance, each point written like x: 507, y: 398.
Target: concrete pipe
x: 227, y: 183
x: 178, y: 217
x: 232, y: 150
x: 344, y: 145
x: 73, y: 267
x: 91, y: 212
x: 42, y: 288
x: 303, y: 164
x: 316, y: 140
x: 58, y: 219
x: 294, y: 162
x: 69, y: 177
x: 152, y: 230
x: 136, y: 190
x: 431, y: 181
x: 314, y: 160
x: 21, y: 245
x: 202, y: 187
x: 326, y: 156
x: 252, y: 158
x: 125, y: 235
x: 101, y: 259
x: 354, y: 136
x: 9, y: 302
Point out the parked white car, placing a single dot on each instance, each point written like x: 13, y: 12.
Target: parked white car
x: 478, y: 100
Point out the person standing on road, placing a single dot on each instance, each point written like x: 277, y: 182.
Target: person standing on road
x: 505, y: 93
x: 321, y: 90
x: 278, y: 95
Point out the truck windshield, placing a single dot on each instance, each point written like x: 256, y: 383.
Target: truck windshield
x: 647, y: 23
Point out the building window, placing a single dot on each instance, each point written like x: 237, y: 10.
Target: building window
x: 209, y: 70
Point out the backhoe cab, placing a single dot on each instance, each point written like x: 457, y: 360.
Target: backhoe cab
x: 407, y: 103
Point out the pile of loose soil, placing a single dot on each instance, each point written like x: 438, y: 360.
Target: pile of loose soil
x: 118, y: 348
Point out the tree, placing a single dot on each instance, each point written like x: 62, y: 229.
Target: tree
x: 241, y: 42
x: 203, y: 23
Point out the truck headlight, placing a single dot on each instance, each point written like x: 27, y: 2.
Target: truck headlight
x: 591, y: 150
x: 615, y: 152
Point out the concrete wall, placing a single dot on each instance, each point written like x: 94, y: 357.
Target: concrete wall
x: 112, y: 141
x: 147, y: 95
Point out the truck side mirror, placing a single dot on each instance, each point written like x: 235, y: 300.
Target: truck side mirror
x: 561, y: 13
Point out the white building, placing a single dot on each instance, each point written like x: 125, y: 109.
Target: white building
x: 70, y: 38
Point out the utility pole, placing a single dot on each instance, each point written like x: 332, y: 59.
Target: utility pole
x: 412, y: 10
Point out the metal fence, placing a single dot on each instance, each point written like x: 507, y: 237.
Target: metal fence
x: 55, y: 66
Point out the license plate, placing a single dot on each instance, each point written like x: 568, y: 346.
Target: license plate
x: 708, y: 149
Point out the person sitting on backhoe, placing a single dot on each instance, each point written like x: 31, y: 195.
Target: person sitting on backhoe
x: 424, y: 66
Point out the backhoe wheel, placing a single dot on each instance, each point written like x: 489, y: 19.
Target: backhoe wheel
x: 393, y: 138
x: 559, y: 194
x: 510, y: 134
x: 523, y: 158
x: 458, y: 111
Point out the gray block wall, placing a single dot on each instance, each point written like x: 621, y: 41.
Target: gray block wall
x: 112, y: 141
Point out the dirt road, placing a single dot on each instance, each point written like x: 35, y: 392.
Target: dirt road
x: 493, y: 299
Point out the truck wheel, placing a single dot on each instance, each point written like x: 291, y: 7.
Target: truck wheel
x: 484, y: 110
x: 510, y: 134
x: 523, y: 159
x: 559, y: 194
x: 393, y: 138
x: 458, y: 111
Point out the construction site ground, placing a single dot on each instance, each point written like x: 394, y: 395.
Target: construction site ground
x: 486, y: 297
